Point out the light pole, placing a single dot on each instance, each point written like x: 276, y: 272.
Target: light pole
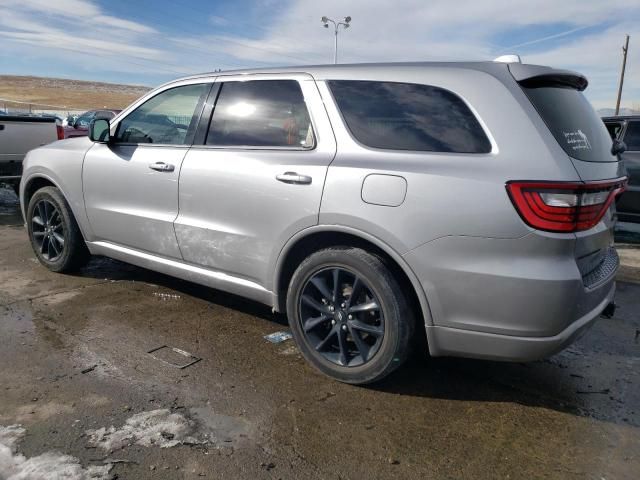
x: 336, y: 25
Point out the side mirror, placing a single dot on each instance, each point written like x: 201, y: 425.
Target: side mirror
x: 99, y: 131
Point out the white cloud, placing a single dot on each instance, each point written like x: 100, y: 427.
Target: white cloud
x: 75, y: 10
x: 584, y: 35
x: 463, y: 30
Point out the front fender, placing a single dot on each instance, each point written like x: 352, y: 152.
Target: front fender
x: 59, y: 164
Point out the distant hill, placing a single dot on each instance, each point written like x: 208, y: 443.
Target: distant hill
x: 607, y: 112
x: 71, y: 94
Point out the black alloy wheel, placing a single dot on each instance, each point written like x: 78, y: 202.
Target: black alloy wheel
x: 349, y: 315
x: 341, y: 317
x: 47, y: 230
x: 54, y: 233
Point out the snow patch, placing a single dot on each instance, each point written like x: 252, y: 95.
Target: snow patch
x: 160, y: 428
x: 48, y: 466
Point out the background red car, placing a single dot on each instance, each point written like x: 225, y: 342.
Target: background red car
x: 80, y: 126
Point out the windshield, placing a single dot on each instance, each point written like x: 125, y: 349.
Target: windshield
x: 572, y: 121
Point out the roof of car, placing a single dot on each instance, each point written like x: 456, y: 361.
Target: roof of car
x: 357, y: 66
x: 498, y: 69
x: 322, y: 71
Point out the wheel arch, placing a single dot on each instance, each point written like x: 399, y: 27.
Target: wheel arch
x: 316, y: 238
x: 34, y: 183
x: 31, y: 186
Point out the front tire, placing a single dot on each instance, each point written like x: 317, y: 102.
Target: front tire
x: 349, y: 316
x: 54, y: 233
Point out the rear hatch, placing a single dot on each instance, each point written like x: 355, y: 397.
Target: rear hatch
x: 557, y: 97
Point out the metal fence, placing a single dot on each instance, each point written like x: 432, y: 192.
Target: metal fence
x: 16, y: 107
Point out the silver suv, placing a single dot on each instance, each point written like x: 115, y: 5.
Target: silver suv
x: 471, y: 203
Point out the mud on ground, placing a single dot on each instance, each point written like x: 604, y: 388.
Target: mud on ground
x: 79, y: 394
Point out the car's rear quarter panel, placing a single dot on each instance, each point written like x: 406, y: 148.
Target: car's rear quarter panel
x: 481, y: 267
x: 448, y: 193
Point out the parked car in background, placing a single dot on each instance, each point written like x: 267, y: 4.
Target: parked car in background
x: 70, y: 119
x: 471, y: 203
x: 79, y: 127
x: 627, y: 130
x: 18, y: 135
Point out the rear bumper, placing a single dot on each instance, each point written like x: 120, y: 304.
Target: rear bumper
x: 510, y: 299
x: 445, y: 341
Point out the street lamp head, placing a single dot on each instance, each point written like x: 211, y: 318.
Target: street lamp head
x: 346, y: 25
x: 326, y: 25
x: 324, y: 20
x: 347, y: 19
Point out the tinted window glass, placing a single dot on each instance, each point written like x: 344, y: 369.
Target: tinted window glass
x: 632, y: 136
x: 169, y: 118
x: 573, y: 121
x: 85, y: 119
x: 407, y: 116
x: 263, y: 113
x: 614, y: 129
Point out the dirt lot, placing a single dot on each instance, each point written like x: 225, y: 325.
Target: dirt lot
x: 79, y: 394
x: 72, y: 94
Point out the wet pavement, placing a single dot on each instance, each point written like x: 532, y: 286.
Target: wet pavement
x: 76, y: 377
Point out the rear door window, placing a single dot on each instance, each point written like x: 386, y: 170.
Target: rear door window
x: 261, y: 113
x: 632, y: 136
x: 572, y: 121
x: 408, y: 116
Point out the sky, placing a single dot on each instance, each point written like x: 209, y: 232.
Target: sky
x: 148, y: 42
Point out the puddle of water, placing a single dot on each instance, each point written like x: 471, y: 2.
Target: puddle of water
x: 222, y: 429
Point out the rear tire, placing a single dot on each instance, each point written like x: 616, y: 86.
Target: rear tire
x: 357, y: 329
x: 54, y: 233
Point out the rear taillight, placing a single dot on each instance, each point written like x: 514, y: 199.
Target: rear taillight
x: 564, y: 206
x: 60, y: 131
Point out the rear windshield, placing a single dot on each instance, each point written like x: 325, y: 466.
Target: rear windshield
x: 573, y: 121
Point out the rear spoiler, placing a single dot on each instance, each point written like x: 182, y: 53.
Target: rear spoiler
x: 539, y: 76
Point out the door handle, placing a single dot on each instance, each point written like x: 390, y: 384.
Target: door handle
x: 293, y: 177
x: 162, y: 167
